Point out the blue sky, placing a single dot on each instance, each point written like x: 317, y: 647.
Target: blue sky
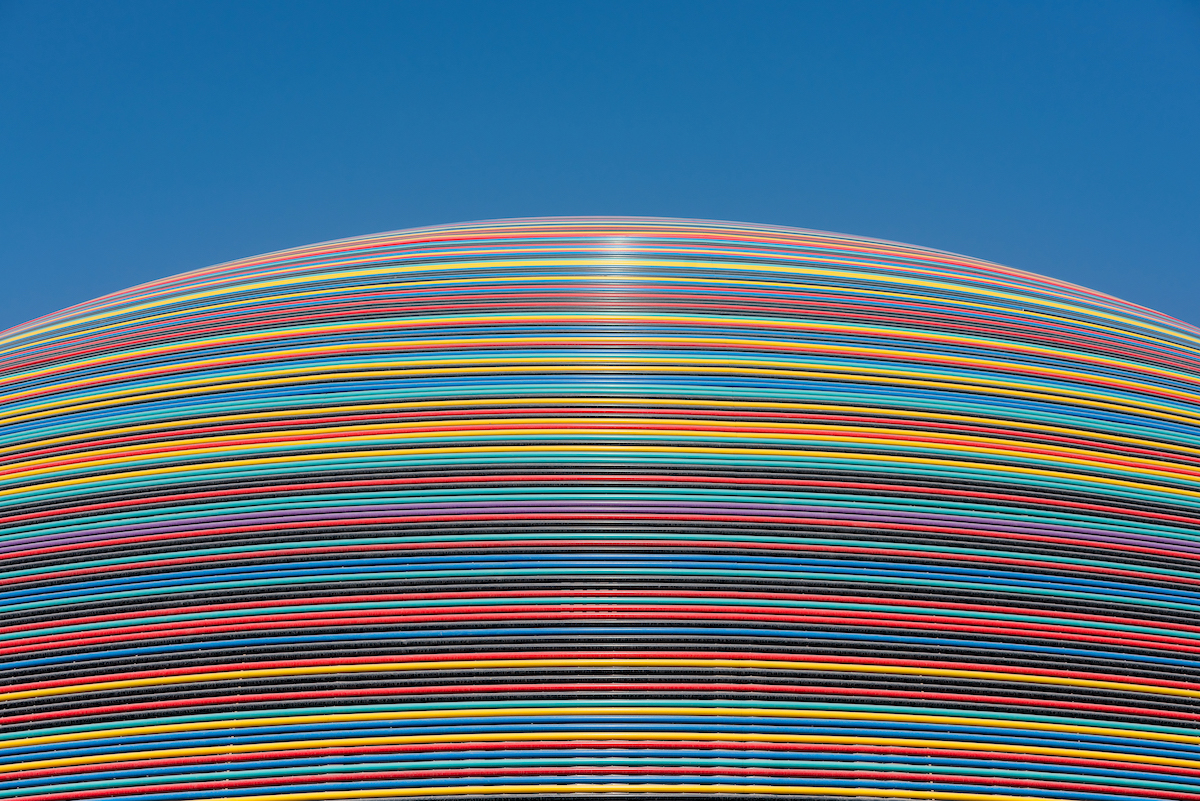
x: 141, y: 139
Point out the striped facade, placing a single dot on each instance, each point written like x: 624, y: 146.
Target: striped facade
x: 592, y: 506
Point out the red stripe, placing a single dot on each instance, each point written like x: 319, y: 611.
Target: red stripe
x: 569, y: 773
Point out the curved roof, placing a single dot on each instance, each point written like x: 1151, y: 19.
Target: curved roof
x: 601, y: 505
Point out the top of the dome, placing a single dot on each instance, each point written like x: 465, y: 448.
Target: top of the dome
x: 640, y: 244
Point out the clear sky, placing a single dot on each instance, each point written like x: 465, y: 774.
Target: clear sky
x: 140, y: 139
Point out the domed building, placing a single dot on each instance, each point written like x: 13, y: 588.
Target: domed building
x: 584, y: 507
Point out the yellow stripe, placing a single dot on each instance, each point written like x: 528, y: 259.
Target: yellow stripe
x: 702, y: 712
x: 488, y: 664
x: 596, y: 737
x: 1096, y: 438
x: 601, y: 450
x: 880, y: 354
x: 618, y: 787
x: 592, y: 429
x: 788, y: 327
x: 377, y: 370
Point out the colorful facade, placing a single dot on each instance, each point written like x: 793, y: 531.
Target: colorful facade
x: 657, y: 507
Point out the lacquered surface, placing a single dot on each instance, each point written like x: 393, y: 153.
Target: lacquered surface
x: 552, y: 506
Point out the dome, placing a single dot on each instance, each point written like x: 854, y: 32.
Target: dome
x: 664, y: 508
